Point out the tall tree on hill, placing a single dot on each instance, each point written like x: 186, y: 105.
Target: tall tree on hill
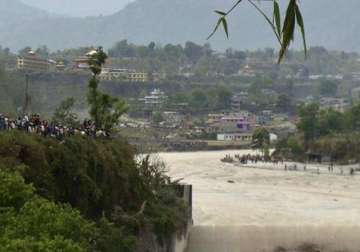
x: 105, y: 110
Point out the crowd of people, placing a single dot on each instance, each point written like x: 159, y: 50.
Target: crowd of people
x: 35, y: 125
x: 245, y: 159
x: 288, y: 166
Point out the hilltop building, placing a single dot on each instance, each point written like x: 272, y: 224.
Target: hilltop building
x: 81, y: 63
x: 238, y: 99
x: 155, y: 99
x: 60, y: 66
x: 32, y: 62
x: 129, y: 75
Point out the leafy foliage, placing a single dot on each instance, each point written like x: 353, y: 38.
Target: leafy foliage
x: 283, y: 32
x: 112, y: 197
x: 105, y: 110
x: 64, y: 114
x: 30, y: 223
x: 261, y: 138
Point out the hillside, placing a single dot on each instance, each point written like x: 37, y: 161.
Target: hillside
x: 176, y: 21
x: 14, y: 13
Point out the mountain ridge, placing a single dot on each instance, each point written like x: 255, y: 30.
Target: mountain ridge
x: 178, y: 21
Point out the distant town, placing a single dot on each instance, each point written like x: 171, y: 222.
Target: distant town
x: 198, y: 102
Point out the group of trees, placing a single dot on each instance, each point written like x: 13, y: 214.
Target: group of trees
x: 315, y: 123
x: 81, y: 195
x: 204, y: 100
x: 172, y: 59
x: 324, y: 131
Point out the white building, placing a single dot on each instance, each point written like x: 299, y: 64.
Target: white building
x: 130, y: 75
x: 244, y: 138
x: 156, y: 98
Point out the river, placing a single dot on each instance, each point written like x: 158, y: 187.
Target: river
x: 252, y: 209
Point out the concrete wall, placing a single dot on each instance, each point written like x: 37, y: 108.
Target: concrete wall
x: 178, y: 243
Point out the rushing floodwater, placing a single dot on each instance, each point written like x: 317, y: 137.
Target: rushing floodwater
x: 264, y: 208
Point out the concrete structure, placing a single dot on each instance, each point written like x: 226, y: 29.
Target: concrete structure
x: 81, y: 63
x: 134, y: 76
x: 338, y: 104
x: 173, y: 118
x: 155, y: 99
x: 231, y: 123
x: 112, y: 74
x: 60, y: 66
x: 265, y: 117
x: 32, y: 62
x: 236, y: 137
x: 238, y: 99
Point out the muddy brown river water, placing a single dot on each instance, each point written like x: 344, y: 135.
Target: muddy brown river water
x: 266, y: 206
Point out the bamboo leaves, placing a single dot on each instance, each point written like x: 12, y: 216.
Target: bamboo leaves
x: 284, y: 32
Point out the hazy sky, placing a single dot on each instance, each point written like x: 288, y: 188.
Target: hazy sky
x: 79, y: 7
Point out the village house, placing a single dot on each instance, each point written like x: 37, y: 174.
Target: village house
x: 155, y: 99
x: 241, y: 138
x: 60, y: 66
x: 265, y: 117
x: 238, y: 99
x: 338, y: 104
x: 32, y: 62
x: 173, y: 118
x: 81, y: 63
x: 231, y: 123
x: 121, y: 74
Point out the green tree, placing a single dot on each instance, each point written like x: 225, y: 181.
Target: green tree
x: 43, y: 51
x: 105, y: 110
x: 122, y: 49
x: 30, y: 223
x: 261, y: 138
x: 64, y: 113
x: 24, y: 50
x: 223, y: 98
x: 157, y: 117
x: 283, y: 103
x: 309, y: 122
x: 193, y: 51
x: 328, y: 88
x: 353, y: 117
x: 198, y: 99
x: 331, y: 121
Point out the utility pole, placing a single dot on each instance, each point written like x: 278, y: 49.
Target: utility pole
x: 26, y: 100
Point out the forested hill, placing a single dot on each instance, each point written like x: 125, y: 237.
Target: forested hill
x: 334, y: 24
x: 14, y: 13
